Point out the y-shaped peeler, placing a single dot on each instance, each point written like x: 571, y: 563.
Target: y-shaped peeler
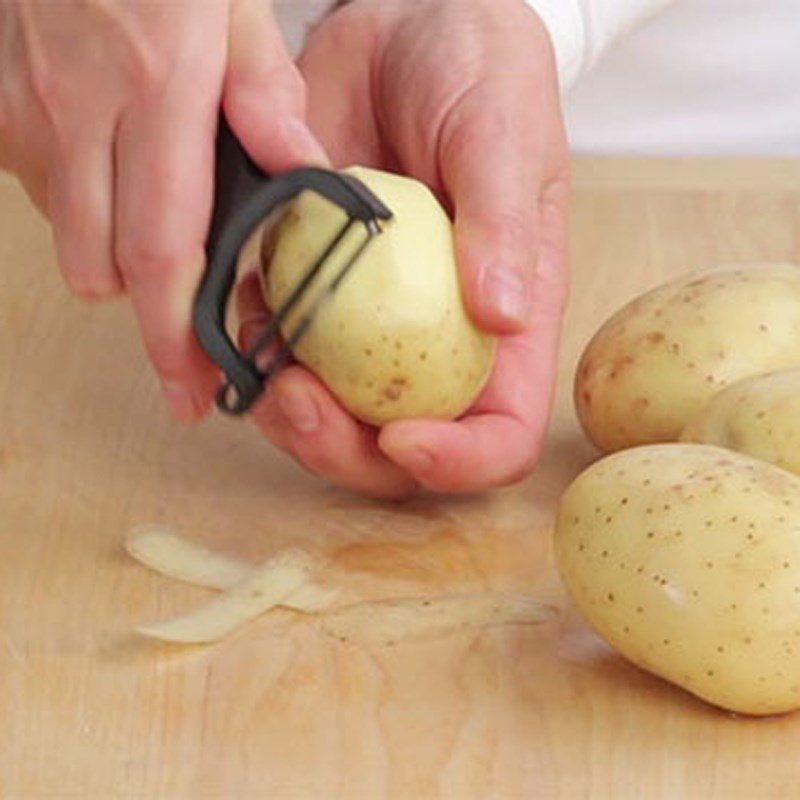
x: 244, y: 196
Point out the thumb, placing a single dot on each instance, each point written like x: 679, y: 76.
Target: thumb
x: 264, y: 95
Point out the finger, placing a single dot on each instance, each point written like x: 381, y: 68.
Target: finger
x: 344, y: 120
x: 499, y: 443
x: 164, y: 160
x: 493, y: 446
x: 250, y: 306
x: 491, y: 158
x: 35, y: 185
x: 299, y: 415
x: 264, y: 95
x: 79, y: 203
x: 253, y: 317
x: 266, y: 413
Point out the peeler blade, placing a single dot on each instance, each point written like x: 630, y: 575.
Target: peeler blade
x: 244, y: 197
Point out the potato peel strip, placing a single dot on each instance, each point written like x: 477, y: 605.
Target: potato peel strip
x: 266, y: 587
x: 384, y: 622
x: 162, y: 551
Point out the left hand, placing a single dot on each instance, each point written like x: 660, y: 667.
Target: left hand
x: 464, y: 97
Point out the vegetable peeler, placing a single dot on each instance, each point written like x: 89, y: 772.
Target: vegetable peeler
x: 244, y: 196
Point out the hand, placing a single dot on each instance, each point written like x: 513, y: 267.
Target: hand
x: 463, y: 96
x: 108, y: 114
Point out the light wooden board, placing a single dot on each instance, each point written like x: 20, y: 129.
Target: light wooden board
x: 282, y: 711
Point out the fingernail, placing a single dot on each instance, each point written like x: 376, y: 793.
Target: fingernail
x: 414, y: 459
x: 299, y: 409
x: 180, y: 401
x: 508, y: 292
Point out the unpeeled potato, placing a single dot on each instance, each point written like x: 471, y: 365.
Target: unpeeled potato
x: 686, y: 559
x: 656, y: 363
x: 395, y: 340
x: 759, y: 416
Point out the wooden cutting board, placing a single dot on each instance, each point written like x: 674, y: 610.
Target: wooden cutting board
x: 282, y: 710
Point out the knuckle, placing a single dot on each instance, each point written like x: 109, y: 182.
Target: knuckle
x: 93, y: 288
x: 88, y: 277
x: 167, y: 355
x: 518, y: 473
x: 148, y: 70
x: 49, y: 87
x: 514, y: 230
x: 316, y: 459
x: 280, y: 83
x: 143, y: 260
x: 295, y: 86
x: 522, y: 468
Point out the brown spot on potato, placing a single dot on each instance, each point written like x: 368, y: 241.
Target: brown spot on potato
x: 619, y: 365
x: 395, y: 389
x: 656, y: 337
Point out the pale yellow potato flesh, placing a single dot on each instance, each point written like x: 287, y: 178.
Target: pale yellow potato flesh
x: 388, y: 622
x: 159, y: 548
x: 758, y: 416
x: 395, y: 341
x: 656, y: 363
x: 266, y: 587
x: 686, y: 559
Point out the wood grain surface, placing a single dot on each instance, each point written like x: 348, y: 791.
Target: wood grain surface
x: 282, y: 710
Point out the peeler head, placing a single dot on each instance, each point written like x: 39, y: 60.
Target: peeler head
x: 245, y: 197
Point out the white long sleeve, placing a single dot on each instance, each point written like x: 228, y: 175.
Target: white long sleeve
x: 704, y: 77
x: 581, y: 30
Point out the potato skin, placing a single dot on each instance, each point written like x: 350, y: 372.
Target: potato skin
x: 686, y: 559
x: 395, y: 341
x: 759, y: 416
x: 655, y: 364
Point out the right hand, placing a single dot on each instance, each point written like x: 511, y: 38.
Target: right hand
x: 108, y: 114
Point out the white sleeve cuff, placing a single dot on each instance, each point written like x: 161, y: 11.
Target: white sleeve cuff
x: 581, y: 30
x: 564, y: 22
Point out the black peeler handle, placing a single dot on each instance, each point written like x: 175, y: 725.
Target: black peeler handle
x: 243, y: 197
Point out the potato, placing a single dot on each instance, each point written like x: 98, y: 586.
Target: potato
x: 395, y: 341
x: 759, y: 416
x: 656, y: 363
x: 686, y: 559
